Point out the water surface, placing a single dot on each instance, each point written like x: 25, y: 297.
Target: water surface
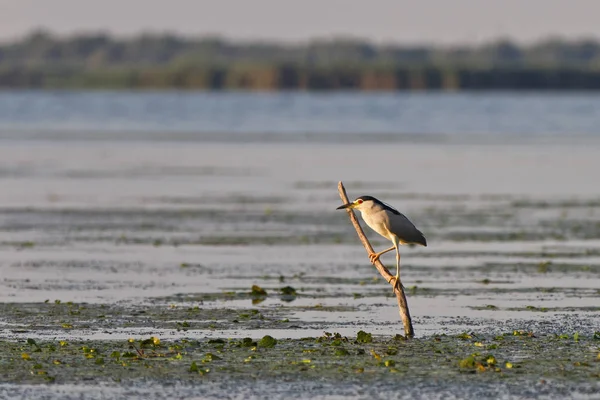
x: 484, y: 114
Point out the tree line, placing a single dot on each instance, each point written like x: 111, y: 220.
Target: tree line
x: 42, y: 60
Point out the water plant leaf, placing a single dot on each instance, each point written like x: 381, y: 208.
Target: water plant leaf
x: 391, y: 351
x: 375, y: 355
x: 267, y: 341
x: 150, y: 342
x: 468, y: 362
x: 364, y: 337
x: 543, y: 266
x: 257, y: 291
x: 288, y: 290
x: 523, y: 333
x: 247, y: 342
x: 341, y: 352
x: 209, y: 357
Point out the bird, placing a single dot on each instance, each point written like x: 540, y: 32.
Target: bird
x: 389, y: 223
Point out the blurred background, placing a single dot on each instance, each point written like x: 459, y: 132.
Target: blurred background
x: 193, y: 148
x: 333, y: 45
x: 395, y: 67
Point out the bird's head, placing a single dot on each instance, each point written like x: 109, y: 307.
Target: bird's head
x: 361, y: 203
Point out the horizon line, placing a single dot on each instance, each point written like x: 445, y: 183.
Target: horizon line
x: 296, y: 42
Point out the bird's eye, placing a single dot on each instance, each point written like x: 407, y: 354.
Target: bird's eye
x: 359, y: 201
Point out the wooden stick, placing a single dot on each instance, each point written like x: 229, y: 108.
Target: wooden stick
x: 398, y: 288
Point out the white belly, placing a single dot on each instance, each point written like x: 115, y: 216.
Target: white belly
x: 377, y: 227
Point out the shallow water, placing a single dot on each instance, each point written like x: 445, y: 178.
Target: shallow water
x: 516, y: 231
x: 136, y: 235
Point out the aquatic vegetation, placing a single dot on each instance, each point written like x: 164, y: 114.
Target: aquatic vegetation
x: 331, y: 357
x: 364, y: 337
x: 210, y: 293
x: 267, y: 342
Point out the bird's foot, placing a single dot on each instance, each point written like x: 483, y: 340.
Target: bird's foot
x: 396, y: 280
x: 373, y: 257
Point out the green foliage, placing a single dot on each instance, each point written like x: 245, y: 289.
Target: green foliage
x: 364, y: 337
x: 246, y: 342
x: 341, y: 352
x: 288, y: 290
x: 480, y: 363
x: 101, y: 51
x: 34, y: 344
x: 152, y: 342
x: 267, y: 341
x: 468, y: 362
x: 193, y: 367
x: 42, y: 60
x: 183, y: 325
x: 209, y: 357
x: 257, y: 291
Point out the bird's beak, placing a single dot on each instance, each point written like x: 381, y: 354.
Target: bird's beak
x: 349, y: 205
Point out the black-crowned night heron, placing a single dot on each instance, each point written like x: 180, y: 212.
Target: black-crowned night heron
x: 389, y: 223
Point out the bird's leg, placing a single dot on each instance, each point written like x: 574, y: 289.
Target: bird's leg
x: 397, y: 266
x: 375, y: 256
x: 397, y: 277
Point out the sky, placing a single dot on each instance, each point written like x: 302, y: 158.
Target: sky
x: 442, y: 22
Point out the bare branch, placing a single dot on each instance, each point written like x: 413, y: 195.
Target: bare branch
x: 398, y: 289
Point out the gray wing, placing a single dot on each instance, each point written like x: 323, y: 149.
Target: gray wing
x: 406, y: 230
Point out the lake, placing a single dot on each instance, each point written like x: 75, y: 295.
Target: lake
x: 151, y: 215
x: 241, y: 116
